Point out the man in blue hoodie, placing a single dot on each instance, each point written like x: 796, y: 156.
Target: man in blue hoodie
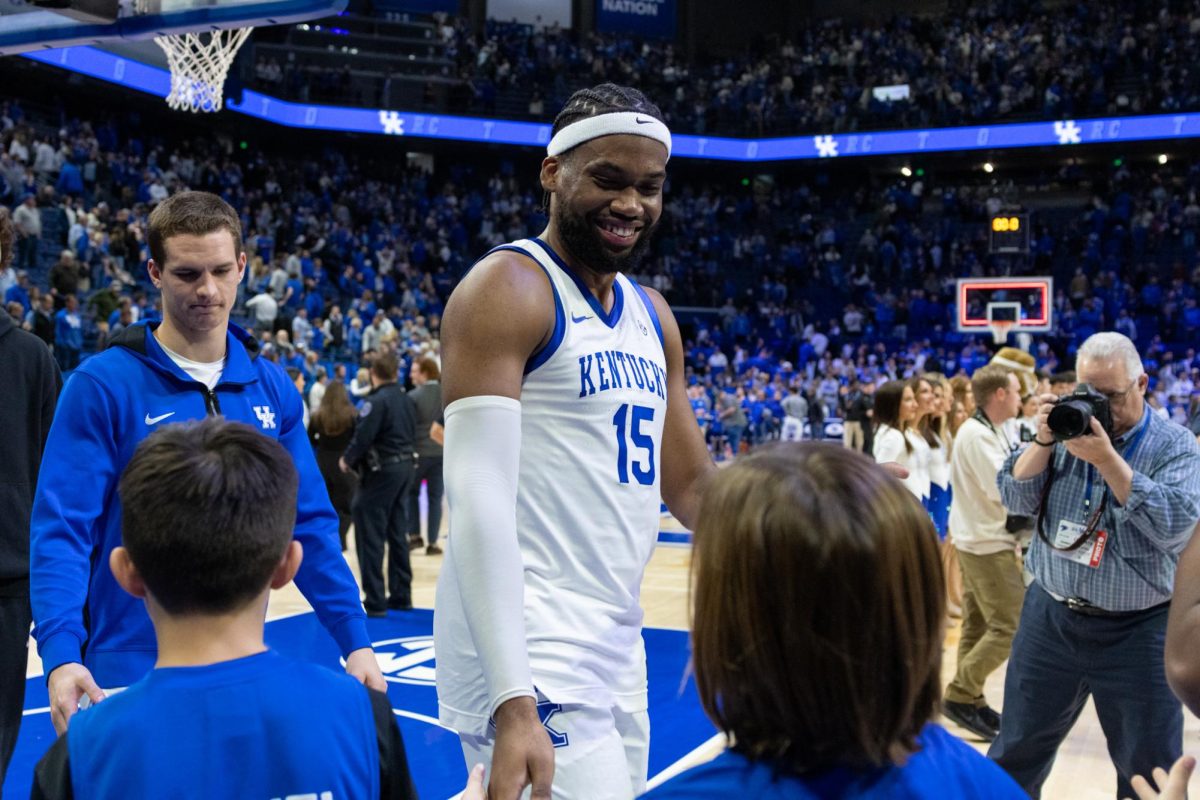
x: 193, y: 364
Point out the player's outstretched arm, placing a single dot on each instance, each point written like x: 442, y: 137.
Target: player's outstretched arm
x: 497, y: 317
x: 76, y: 483
x: 685, y: 458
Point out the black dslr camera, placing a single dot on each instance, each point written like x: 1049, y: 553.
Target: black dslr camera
x: 1072, y: 416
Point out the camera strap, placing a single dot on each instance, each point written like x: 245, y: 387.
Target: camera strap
x: 982, y: 419
x: 1094, y: 520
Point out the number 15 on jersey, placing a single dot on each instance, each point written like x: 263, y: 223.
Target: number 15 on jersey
x: 628, y: 422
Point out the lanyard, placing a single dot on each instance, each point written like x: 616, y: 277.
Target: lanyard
x: 983, y: 419
x: 1128, y: 455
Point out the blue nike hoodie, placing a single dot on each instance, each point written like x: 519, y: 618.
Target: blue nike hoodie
x: 109, y: 404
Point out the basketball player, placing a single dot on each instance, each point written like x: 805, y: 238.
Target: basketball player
x: 566, y: 421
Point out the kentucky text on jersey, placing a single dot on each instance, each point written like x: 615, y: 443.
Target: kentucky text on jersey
x: 613, y: 369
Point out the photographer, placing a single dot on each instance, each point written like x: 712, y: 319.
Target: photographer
x: 1114, y: 509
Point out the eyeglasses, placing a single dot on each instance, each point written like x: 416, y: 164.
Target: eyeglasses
x: 1116, y: 398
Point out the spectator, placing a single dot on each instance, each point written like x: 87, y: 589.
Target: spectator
x: 205, y: 586
x: 65, y: 278
x: 31, y: 383
x: 265, y: 311
x: 896, y: 440
x: 68, y: 335
x: 316, y: 392
x: 330, y: 431
x: 732, y: 417
x: 795, y: 409
x: 850, y: 550
x: 987, y: 551
x: 28, y: 222
x: 426, y: 376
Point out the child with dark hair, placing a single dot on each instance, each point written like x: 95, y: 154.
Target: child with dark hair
x: 818, y: 612
x: 207, y: 517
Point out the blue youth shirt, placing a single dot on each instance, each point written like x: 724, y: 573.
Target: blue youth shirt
x: 943, y: 767
x: 262, y: 726
x: 108, y: 406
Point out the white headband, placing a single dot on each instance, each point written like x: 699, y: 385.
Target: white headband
x: 628, y: 122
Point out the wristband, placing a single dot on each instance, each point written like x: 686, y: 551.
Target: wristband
x: 1040, y: 443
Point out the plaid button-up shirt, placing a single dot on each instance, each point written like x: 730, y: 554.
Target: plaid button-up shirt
x: 1145, y: 535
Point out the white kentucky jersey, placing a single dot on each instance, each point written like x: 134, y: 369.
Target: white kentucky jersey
x: 593, y: 403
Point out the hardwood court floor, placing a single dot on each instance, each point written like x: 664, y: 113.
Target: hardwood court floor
x: 1082, y: 772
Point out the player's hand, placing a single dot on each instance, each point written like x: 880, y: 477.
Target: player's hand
x: 1171, y: 787
x: 67, y: 685
x: 342, y: 465
x: 1096, y: 449
x: 895, y: 469
x: 523, y: 755
x: 363, y: 665
x: 475, y: 790
x: 1046, y: 403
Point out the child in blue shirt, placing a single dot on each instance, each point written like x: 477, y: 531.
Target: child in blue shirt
x: 817, y: 637
x: 208, y: 511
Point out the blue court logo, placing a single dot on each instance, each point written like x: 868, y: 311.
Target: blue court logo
x: 407, y: 660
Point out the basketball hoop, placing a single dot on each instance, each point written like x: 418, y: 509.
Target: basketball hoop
x: 1000, y: 329
x: 199, y: 66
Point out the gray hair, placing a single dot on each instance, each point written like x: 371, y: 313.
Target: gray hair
x: 1110, y: 345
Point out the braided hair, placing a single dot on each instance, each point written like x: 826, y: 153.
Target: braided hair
x: 607, y: 98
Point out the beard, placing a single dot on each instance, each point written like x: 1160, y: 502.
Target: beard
x: 580, y: 236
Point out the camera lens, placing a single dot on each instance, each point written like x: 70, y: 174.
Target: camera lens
x: 1070, y: 418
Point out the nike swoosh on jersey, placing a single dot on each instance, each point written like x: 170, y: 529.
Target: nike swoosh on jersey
x: 580, y: 319
x: 154, y: 420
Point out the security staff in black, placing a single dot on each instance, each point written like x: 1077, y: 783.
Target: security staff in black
x: 382, y: 452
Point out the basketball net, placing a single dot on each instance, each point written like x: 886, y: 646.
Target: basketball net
x: 1000, y: 329
x: 199, y: 66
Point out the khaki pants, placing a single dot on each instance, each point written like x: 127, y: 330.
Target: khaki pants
x: 992, y: 595
x: 852, y: 436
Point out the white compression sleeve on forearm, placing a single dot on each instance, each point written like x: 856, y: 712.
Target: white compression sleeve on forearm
x: 481, y: 460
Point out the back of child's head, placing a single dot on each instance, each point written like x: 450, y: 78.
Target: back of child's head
x: 818, y: 609
x: 208, y: 512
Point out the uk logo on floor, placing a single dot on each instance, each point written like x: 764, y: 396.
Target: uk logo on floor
x: 403, y: 644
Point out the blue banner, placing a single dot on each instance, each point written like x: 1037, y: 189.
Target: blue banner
x: 415, y: 6
x: 650, y: 18
x: 1063, y: 133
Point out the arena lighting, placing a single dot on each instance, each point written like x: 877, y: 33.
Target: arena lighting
x: 906, y: 172
x: 1162, y: 158
x: 987, y: 167
x: 1059, y: 133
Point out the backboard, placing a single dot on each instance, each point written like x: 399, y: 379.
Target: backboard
x: 25, y: 27
x: 1028, y: 303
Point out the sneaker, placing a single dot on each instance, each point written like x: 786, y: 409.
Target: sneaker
x: 433, y: 550
x: 376, y: 614
x: 966, y: 716
x: 415, y: 543
x: 989, y: 715
x: 400, y: 605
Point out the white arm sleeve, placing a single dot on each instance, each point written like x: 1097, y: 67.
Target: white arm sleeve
x: 482, y: 457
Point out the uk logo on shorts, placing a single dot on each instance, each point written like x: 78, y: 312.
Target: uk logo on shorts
x: 266, y: 416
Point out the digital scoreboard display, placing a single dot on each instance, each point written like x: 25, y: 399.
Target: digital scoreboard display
x: 1009, y: 233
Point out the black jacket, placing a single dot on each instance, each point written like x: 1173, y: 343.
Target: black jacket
x: 30, y: 381
x: 387, y: 422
